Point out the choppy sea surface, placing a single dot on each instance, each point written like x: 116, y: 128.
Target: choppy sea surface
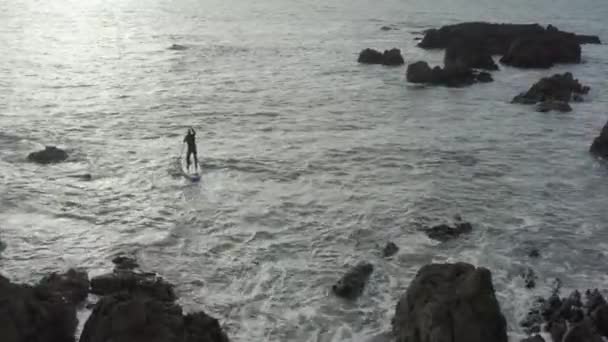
x: 310, y: 161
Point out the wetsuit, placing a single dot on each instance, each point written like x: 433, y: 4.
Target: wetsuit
x: 189, y: 139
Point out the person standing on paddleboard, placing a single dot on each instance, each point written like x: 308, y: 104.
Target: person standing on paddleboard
x: 190, y: 140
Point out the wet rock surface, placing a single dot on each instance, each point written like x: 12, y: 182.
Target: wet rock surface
x: 389, y: 250
x: 421, y: 72
x: 599, y: 146
x: 49, y: 155
x: 450, y: 302
x: 553, y: 93
x: 390, y: 57
x: 444, y: 232
x: 352, y: 284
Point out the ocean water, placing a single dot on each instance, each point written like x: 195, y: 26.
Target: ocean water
x: 310, y: 161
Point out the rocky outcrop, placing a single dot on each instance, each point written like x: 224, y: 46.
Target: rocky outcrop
x: 599, y: 146
x: 127, y: 317
x: 553, y: 93
x: 543, y: 51
x: 389, y: 57
x: 50, y: 154
x: 421, y: 72
x: 529, y: 277
x: 389, y: 250
x: 35, y: 314
x: 570, y: 319
x: 496, y: 38
x: 352, y: 284
x: 450, y: 302
x: 444, y: 232
x: 463, y: 54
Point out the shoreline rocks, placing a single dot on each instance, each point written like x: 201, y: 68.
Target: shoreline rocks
x: 599, y: 147
x: 450, y: 302
x: 49, y: 155
x: 352, y: 284
x: 390, y: 57
x: 553, y: 93
x: 521, y: 45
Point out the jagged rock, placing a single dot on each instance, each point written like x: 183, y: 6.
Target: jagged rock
x: 139, y: 318
x: 599, y: 146
x: 352, y: 284
x: 421, y: 72
x: 552, y: 93
x: 122, y: 280
x: 50, y: 154
x: 450, y: 302
x: 443, y: 232
x: 557, y: 329
x: 34, y: 314
x: 73, y: 286
x: 583, y: 331
x: 389, y: 249
x: 389, y: 57
x: 543, y: 51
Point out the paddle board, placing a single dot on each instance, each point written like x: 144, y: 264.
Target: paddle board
x: 193, y: 175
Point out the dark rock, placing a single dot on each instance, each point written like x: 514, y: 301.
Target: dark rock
x: 72, y: 286
x: 443, y: 232
x: 557, y: 329
x: 389, y: 249
x: 551, y: 308
x: 534, y: 253
x: 387, y: 28
x: 529, y: 278
x: 178, y: 47
x: 353, y: 282
x: 496, y: 38
x: 533, y: 320
x: 543, y: 51
x: 535, y: 338
x: 553, y: 105
x: 389, y: 57
x: 593, y: 300
x: 450, y: 302
x: 583, y: 331
x: 553, y: 92
x: 129, y: 281
x: 484, y: 77
x: 138, y: 318
x: 50, y: 154
x: 600, y: 319
x: 463, y: 54
x: 122, y: 262
x: 419, y: 72
x: 34, y: 314
x: 370, y: 56
x: 392, y: 57
x: 599, y: 146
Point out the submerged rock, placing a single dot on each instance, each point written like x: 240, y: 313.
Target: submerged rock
x: 138, y: 318
x: 352, y: 284
x: 50, y: 154
x: 122, y: 262
x: 599, y: 146
x: 443, y: 232
x: 553, y: 105
x: 178, y: 47
x: 529, y: 278
x: 389, y: 57
x: 34, y: 314
x: 450, y: 302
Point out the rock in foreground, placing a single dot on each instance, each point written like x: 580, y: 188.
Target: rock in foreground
x: 50, y: 154
x: 138, y: 318
x: 599, y: 146
x: 450, y: 302
x: 127, y: 280
x: 553, y: 93
x: 421, y: 72
x: 353, y: 282
x: 34, y: 314
x: 389, y: 57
